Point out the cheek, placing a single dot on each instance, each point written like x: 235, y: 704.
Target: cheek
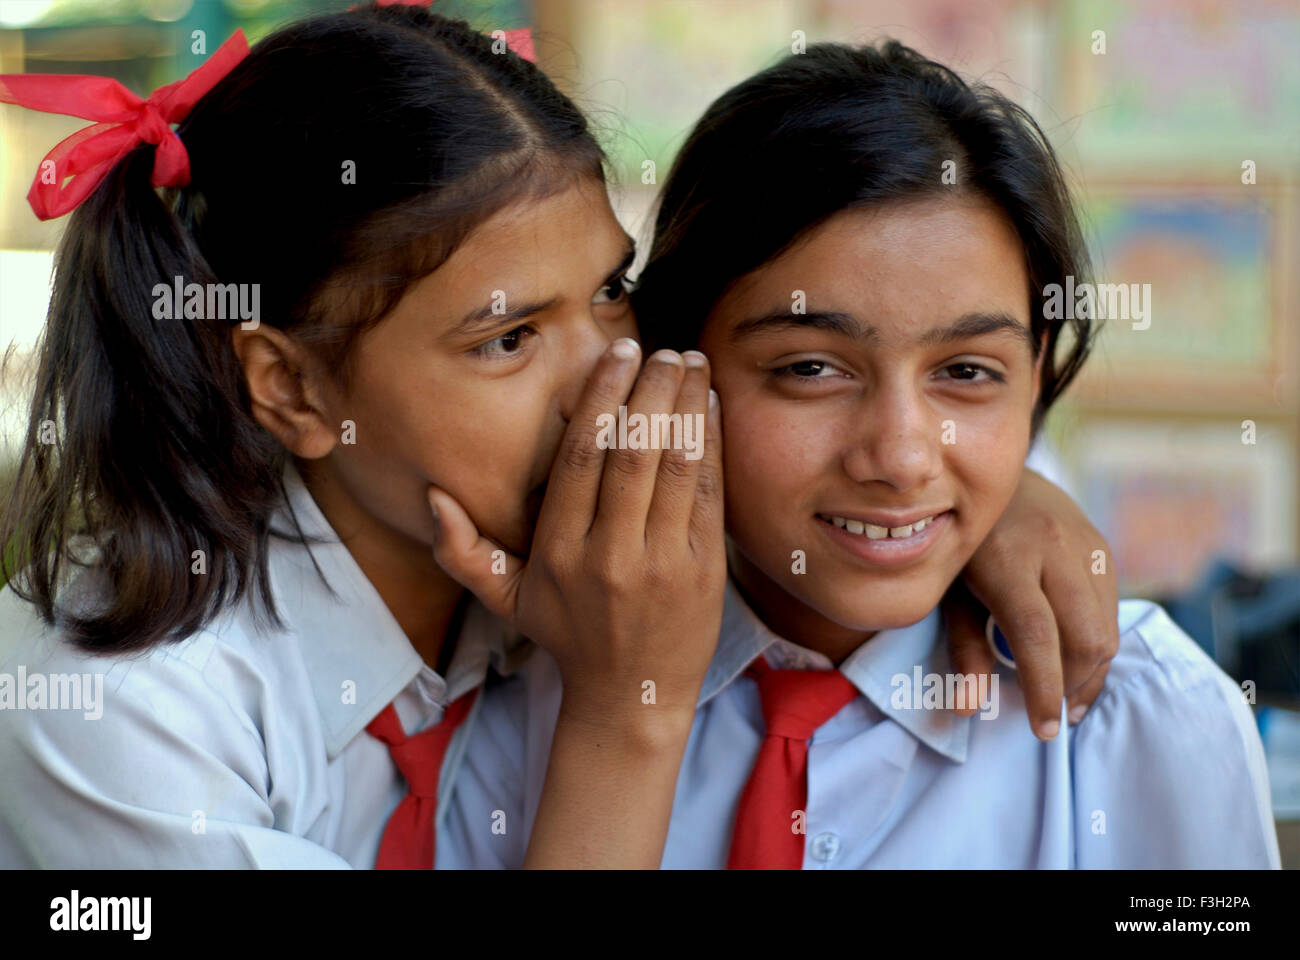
x: 775, y: 455
x: 987, y: 483
x: 477, y: 439
x: 487, y: 451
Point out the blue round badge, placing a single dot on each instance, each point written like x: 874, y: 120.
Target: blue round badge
x: 998, y: 644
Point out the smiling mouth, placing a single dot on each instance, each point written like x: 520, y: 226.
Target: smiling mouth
x: 872, y: 531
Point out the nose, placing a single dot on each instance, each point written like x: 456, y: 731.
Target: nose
x: 586, y: 342
x: 897, y: 441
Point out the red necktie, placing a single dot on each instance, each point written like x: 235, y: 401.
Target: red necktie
x: 408, y: 840
x: 795, y: 704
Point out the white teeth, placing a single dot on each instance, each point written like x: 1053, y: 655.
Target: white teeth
x: 874, y: 532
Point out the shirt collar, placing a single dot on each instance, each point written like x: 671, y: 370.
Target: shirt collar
x: 871, y: 668
x: 356, y: 655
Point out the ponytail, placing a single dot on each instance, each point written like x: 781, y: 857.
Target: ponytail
x: 139, y: 436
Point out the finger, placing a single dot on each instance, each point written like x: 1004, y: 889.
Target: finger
x: 964, y: 621
x: 679, y: 465
x: 478, y: 564
x: 1086, y: 695
x: 1084, y: 629
x: 628, y: 484
x: 1105, y: 585
x: 1029, y: 625
x: 707, y: 528
x: 573, y: 489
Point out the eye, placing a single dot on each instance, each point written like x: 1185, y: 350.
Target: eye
x: 611, y: 292
x: 972, y: 373
x: 807, y: 370
x: 506, y: 345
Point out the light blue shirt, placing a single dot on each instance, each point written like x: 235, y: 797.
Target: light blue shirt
x: 240, y: 746
x: 1165, y: 770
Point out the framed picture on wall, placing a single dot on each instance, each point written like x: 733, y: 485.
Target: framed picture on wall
x: 1170, y: 496
x: 1179, y: 86
x: 1208, y: 322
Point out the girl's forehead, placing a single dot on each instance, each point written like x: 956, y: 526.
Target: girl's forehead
x: 530, y: 256
x: 936, y: 252
x: 563, y: 224
x: 939, y: 225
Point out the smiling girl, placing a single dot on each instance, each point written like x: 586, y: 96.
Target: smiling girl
x: 233, y: 528
x: 878, y: 342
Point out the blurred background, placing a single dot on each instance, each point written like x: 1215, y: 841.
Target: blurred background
x: 1178, y: 120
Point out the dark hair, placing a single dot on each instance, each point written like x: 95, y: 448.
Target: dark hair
x: 839, y: 127
x: 158, y: 454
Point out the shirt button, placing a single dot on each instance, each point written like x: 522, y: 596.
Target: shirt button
x: 825, y: 846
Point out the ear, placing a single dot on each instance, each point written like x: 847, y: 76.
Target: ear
x: 285, y: 390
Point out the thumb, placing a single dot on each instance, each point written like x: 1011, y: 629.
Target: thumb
x: 966, y: 643
x: 478, y: 564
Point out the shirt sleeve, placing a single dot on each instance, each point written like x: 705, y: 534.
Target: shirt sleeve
x: 170, y: 773
x: 483, y: 825
x: 1169, y: 770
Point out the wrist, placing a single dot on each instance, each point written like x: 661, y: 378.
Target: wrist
x: 628, y: 722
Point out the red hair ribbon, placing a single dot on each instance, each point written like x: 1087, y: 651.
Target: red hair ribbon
x: 521, y: 42
x: 125, y: 121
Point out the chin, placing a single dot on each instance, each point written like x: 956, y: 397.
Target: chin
x: 876, y: 610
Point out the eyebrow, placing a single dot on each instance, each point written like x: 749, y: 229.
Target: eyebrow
x: 963, y: 328
x: 483, y: 319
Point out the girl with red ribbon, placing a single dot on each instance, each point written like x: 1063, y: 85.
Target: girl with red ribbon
x: 230, y: 522
x: 285, y: 666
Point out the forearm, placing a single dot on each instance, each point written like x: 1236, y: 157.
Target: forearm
x: 608, y: 794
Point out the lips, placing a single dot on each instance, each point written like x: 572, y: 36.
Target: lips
x: 898, y: 545
x: 879, y: 531
x: 878, y: 524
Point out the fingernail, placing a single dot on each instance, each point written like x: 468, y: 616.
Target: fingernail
x: 433, y: 507
x: 1049, y: 730
x: 667, y: 356
x: 625, y: 348
x: 713, y: 398
x: 1076, y: 713
x: 694, y: 358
